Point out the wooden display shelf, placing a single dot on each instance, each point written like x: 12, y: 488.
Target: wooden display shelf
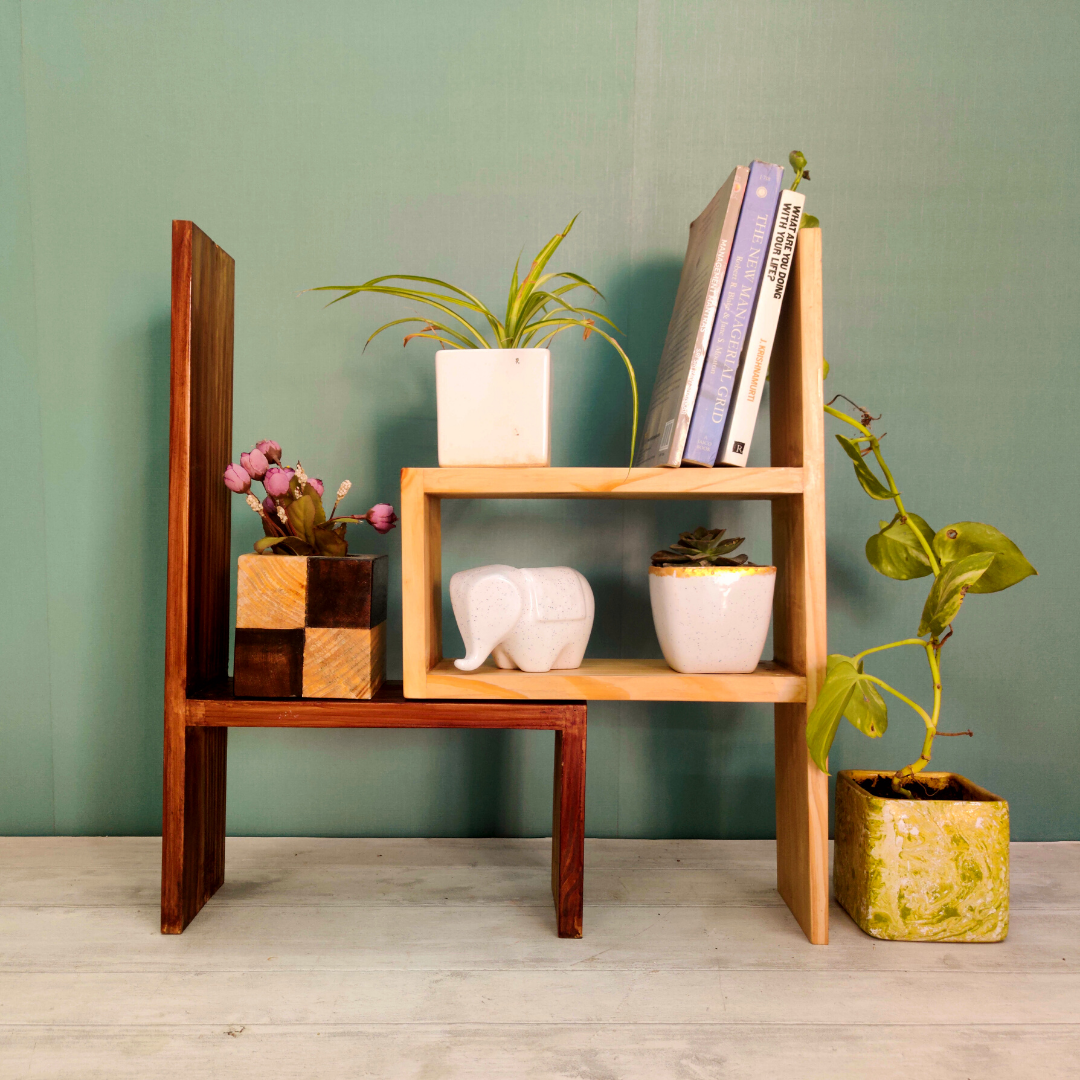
x: 795, y: 486
x: 509, y: 483
x: 617, y: 680
x: 200, y: 705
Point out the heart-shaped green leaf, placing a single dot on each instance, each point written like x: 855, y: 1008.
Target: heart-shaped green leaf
x: 870, y: 483
x: 895, y: 551
x: 949, y: 589
x: 967, y: 537
x: 866, y: 709
x: 841, y: 675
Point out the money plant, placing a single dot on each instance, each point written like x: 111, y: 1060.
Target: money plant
x: 292, y: 515
x: 962, y: 558
x: 538, y: 309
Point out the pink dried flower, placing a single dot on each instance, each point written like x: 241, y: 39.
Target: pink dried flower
x: 381, y: 517
x: 317, y: 484
x: 269, y: 506
x: 255, y: 463
x: 270, y: 449
x: 276, y: 481
x: 236, y: 479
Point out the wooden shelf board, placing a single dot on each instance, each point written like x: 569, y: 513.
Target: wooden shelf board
x: 216, y: 706
x: 514, y: 483
x: 617, y: 680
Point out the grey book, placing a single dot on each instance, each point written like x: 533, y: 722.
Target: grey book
x: 702, y: 279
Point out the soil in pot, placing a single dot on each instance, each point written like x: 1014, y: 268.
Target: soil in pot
x: 945, y: 790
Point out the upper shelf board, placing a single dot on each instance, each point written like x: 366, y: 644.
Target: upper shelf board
x: 548, y: 483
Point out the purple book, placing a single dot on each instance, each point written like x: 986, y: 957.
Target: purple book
x: 733, y: 315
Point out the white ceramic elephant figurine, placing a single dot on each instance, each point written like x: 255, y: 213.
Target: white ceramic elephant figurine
x: 532, y: 619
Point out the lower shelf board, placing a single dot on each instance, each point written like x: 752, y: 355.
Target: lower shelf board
x: 614, y: 680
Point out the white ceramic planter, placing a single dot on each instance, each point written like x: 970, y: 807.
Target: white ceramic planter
x: 494, y: 406
x: 712, y: 619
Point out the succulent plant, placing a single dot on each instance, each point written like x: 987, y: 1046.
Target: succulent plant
x: 702, y: 547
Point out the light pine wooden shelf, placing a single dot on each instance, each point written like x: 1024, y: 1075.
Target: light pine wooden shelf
x: 617, y: 680
x: 504, y: 483
x: 795, y: 486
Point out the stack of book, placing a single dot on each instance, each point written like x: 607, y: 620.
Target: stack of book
x: 712, y: 371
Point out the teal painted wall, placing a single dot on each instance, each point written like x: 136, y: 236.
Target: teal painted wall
x: 323, y: 142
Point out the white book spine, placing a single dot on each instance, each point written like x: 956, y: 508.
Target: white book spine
x: 750, y: 382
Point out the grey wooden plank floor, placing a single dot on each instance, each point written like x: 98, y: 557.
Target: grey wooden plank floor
x: 438, y: 958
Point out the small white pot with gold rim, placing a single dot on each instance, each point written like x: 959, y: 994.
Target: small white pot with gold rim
x: 712, y: 619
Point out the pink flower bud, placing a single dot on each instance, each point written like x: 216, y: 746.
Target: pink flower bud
x: 270, y: 449
x: 276, y: 481
x: 269, y: 506
x: 255, y: 463
x: 237, y: 479
x: 381, y: 517
x: 316, y: 484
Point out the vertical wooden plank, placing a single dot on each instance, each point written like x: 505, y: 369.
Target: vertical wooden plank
x: 197, y: 588
x: 799, y: 621
x: 421, y: 582
x: 568, y: 822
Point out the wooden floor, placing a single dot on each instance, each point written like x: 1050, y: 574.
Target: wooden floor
x: 438, y: 958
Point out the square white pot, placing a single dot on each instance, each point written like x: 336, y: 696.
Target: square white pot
x: 494, y: 406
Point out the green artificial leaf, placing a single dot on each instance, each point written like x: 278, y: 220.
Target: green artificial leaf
x: 841, y: 675
x: 870, y: 483
x: 265, y: 545
x: 967, y: 537
x: 330, y: 540
x: 866, y: 709
x: 301, y: 515
x: 895, y: 551
x: 277, y: 545
x: 949, y: 589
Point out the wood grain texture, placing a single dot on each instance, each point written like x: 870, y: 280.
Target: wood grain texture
x: 675, y: 977
x: 268, y: 663
x: 271, y: 592
x: 421, y: 583
x: 616, y: 680
x: 799, y: 618
x: 388, y: 708
x: 568, y: 825
x: 197, y: 583
x: 344, y: 662
x: 564, y: 483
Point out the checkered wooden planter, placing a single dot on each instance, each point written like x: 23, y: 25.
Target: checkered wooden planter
x: 310, y: 627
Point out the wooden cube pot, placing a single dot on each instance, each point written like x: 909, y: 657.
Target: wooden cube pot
x: 922, y: 869
x: 311, y: 627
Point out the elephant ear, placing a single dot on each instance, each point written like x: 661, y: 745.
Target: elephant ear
x: 487, y: 603
x: 557, y: 593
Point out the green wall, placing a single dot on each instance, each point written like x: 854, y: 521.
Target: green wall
x: 331, y: 141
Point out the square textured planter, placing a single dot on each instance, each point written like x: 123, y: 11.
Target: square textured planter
x: 310, y: 626
x: 494, y: 407
x: 922, y: 869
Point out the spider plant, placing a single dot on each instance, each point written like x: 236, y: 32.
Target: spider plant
x: 537, y: 311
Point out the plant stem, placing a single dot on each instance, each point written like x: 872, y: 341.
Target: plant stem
x: 894, y: 645
x: 875, y: 445
x: 903, y: 697
x: 916, y: 767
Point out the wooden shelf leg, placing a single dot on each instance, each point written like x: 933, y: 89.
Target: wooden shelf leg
x: 193, y: 824
x: 802, y: 826
x: 568, y: 824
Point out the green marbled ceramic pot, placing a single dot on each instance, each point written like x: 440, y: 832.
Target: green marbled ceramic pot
x: 922, y: 870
